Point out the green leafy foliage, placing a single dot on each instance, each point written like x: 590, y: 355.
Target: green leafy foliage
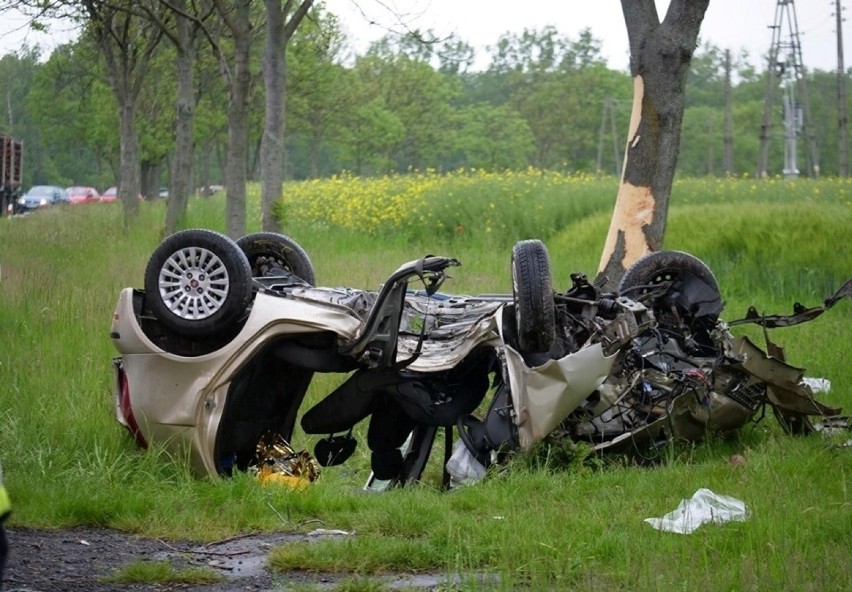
x: 545, y: 100
x: 546, y: 523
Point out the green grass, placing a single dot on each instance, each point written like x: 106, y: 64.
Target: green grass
x: 547, y: 521
x: 161, y: 572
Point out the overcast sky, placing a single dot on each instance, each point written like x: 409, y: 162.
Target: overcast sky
x: 729, y: 24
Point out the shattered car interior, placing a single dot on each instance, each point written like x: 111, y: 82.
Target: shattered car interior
x: 217, y: 352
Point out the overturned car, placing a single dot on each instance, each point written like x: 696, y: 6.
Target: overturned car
x: 218, y: 350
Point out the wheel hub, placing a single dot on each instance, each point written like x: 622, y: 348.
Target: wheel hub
x: 194, y: 283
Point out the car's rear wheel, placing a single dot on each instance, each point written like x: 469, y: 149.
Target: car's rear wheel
x: 269, y: 252
x: 535, y: 311
x: 198, y: 283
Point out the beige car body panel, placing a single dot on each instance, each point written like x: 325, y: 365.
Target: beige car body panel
x: 178, y: 401
x: 543, y: 396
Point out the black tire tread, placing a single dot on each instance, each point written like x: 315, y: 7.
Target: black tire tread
x: 642, y: 272
x: 284, y: 249
x: 535, y: 308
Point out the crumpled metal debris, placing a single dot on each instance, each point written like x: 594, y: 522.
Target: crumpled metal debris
x: 704, y: 506
x: 275, y: 461
x: 836, y: 426
x: 800, y: 313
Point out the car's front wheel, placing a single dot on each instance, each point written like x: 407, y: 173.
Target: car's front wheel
x: 665, y: 266
x: 692, y: 299
x: 198, y: 283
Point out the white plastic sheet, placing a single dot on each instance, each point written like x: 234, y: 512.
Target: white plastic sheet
x: 703, y: 506
x: 819, y: 386
x: 463, y: 467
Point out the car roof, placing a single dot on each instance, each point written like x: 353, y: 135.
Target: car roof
x: 44, y: 188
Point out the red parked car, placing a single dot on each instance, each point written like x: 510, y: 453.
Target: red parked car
x: 81, y: 195
x: 110, y: 194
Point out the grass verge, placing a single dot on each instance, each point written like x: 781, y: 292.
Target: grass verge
x: 542, y: 524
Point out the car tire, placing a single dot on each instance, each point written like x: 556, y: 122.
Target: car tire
x: 198, y: 283
x: 268, y: 249
x: 681, y: 269
x: 535, y: 310
x: 662, y: 266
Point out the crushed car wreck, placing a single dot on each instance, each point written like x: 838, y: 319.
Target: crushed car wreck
x: 218, y: 350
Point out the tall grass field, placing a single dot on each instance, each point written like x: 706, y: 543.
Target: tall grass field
x: 552, y: 519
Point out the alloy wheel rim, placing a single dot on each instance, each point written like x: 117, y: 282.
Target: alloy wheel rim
x: 194, y: 283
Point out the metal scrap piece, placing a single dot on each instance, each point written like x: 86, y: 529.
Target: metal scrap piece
x: 800, y: 313
x: 786, y: 389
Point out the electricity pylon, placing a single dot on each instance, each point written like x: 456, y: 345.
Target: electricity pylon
x: 787, y: 72
x: 842, y: 115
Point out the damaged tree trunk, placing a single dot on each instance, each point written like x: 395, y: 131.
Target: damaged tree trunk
x: 660, y: 54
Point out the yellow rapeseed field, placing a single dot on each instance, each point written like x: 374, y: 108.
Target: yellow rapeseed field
x: 501, y: 205
x: 447, y: 203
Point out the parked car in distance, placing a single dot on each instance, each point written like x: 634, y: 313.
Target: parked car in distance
x: 82, y: 194
x: 209, y: 190
x: 110, y: 194
x: 41, y: 196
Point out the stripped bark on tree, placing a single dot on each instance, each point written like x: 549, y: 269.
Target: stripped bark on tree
x: 660, y: 54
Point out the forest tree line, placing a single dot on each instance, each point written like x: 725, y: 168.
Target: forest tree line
x: 544, y: 100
